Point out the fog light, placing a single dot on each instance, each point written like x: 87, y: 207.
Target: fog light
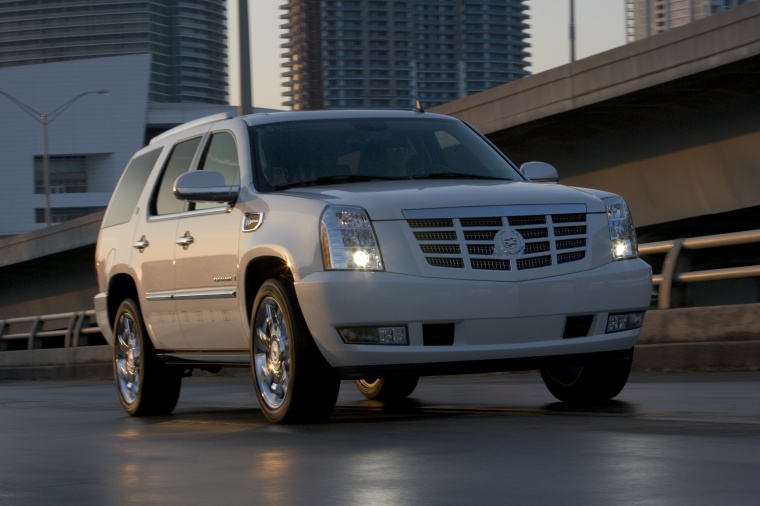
x: 374, y: 335
x: 624, y: 321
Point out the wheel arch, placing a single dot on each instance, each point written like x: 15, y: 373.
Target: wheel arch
x: 120, y: 287
x: 257, y: 271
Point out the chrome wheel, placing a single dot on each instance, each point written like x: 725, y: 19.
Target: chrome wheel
x: 387, y: 389
x: 293, y: 381
x: 271, y: 353
x: 127, y: 357
x: 146, y: 386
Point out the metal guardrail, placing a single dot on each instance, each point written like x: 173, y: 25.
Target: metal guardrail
x: 62, y: 330
x: 43, y: 332
x: 673, y: 249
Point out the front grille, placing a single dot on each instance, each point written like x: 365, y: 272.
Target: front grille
x: 436, y: 236
x: 456, y: 263
x: 479, y: 235
x: 492, y: 242
x: 430, y: 223
x: 490, y: 265
x: 534, y: 263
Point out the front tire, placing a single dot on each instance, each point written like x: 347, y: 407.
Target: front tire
x: 294, y: 383
x: 590, y: 383
x: 146, y: 386
x: 387, y: 389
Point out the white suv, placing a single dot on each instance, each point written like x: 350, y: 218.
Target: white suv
x: 377, y: 246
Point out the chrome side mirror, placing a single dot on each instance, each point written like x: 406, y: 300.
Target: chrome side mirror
x: 204, y: 186
x: 540, y: 172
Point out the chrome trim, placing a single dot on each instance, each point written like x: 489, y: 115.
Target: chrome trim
x: 158, y: 298
x: 252, y: 221
x: 482, y: 211
x: 215, y: 294
x: 222, y: 208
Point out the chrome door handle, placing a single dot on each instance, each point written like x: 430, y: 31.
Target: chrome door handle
x: 141, y: 244
x: 186, y: 240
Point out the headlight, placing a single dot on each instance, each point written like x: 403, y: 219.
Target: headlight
x: 622, y: 232
x: 348, y: 240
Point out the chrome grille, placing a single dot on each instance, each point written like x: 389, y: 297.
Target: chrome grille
x: 480, y: 249
x: 534, y: 263
x: 436, y: 236
x: 481, y: 222
x: 564, y: 258
x: 444, y: 222
x: 456, y: 263
x: 536, y: 247
x: 479, y: 235
x: 490, y: 265
x: 446, y: 249
x: 473, y: 242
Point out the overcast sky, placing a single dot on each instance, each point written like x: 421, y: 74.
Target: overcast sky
x: 600, y: 25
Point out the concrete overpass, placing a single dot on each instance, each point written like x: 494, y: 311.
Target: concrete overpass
x: 671, y: 122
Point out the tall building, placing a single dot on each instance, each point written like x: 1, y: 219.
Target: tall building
x: 390, y: 53
x: 187, y: 40
x: 649, y: 17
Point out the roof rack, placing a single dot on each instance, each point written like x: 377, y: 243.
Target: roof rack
x: 192, y: 124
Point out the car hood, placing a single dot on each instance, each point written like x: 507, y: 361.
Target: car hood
x: 387, y: 200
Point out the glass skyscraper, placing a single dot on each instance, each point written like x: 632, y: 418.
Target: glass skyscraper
x: 186, y: 38
x: 389, y: 53
x: 649, y: 17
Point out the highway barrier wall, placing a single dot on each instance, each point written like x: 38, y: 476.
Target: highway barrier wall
x: 721, y: 338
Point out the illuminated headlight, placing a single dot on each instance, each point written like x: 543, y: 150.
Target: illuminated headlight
x: 624, y: 321
x: 374, y: 335
x: 348, y: 240
x: 622, y: 232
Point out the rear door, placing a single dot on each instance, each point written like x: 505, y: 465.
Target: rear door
x: 155, y: 240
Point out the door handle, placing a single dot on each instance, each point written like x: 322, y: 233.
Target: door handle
x: 141, y: 244
x: 186, y: 240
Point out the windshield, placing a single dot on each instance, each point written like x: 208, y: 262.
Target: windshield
x: 303, y: 153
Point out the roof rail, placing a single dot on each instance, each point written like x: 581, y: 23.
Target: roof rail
x: 192, y: 124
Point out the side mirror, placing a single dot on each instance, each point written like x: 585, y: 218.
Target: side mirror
x: 540, y: 172
x: 204, y: 186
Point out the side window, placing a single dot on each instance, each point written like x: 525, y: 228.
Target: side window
x: 128, y: 191
x: 179, y: 162
x: 221, y: 156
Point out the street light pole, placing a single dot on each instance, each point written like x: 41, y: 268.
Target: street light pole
x: 572, y: 31
x: 44, y: 120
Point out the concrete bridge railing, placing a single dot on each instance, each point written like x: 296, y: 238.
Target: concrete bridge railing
x: 721, y: 337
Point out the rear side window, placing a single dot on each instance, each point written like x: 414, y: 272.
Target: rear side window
x: 128, y: 191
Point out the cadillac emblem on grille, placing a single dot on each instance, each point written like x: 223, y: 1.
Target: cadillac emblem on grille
x: 508, y: 242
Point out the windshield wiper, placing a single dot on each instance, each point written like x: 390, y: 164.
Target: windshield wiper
x: 453, y: 175
x: 335, y: 179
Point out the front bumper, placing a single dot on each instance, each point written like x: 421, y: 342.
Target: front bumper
x: 493, y: 321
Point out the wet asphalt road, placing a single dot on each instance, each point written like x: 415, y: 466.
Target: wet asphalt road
x: 669, y: 439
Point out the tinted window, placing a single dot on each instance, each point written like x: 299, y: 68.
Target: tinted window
x: 340, y: 150
x: 128, y: 191
x: 221, y: 156
x: 179, y: 163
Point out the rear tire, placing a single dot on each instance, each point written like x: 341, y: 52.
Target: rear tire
x: 588, y: 384
x: 387, y: 389
x: 146, y: 386
x: 293, y: 381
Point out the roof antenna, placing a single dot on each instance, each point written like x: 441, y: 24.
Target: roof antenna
x: 418, y: 107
